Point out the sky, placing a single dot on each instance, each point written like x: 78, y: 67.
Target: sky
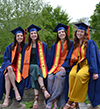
x: 76, y: 9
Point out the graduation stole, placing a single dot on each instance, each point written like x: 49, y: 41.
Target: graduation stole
x: 18, y: 76
x: 74, y: 56
x: 56, y: 58
x: 81, y: 54
x: 26, y: 62
x: 42, y: 59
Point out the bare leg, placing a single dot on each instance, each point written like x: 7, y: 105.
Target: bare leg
x: 35, y: 105
x: 41, y: 83
x: 55, y: 103
x: 12, y: 80
x: 7, y: 87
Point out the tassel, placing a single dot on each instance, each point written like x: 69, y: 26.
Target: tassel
x: 27, y: 33
x: 88, y: 33
x: 68, y: 31
x: 24, y: 36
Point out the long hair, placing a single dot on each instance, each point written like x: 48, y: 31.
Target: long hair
x: 76, y: 40
x: 66, y: 38
x: 15, y: 41
x: 30, y: 40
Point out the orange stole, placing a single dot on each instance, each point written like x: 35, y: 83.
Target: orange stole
x: 81, y: 54
x: 26, y: 62
x: 63, y: 56
x: 12, y: 58
x: 57, y: 57
x: 16, y: 70
x: 42, y: 59
x: 74, y: 57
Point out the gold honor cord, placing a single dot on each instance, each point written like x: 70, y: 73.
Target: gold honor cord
x: 56, y: 58
x: 82, y: 54
x: 42, y: 59
x: 18, y: 74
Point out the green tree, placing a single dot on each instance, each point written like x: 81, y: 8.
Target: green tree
x: 48, y: 19
x: 95, y: 24
x: 14, y: 13
x: 23, y: 13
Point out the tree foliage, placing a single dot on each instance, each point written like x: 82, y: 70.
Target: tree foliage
x: 95, y: 24
x: 23, y: 13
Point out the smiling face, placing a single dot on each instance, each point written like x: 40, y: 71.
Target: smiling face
x: 19, y: 37
x: 80, y: 34
x: 33, y: 35
x: 61, y: 34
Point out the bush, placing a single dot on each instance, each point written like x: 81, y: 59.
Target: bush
x: 1, y: 60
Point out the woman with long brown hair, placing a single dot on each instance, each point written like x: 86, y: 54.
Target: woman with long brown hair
x: 84, y: 72
x: 36, y: 62
x: 12, y: 67
x: 58, y: 68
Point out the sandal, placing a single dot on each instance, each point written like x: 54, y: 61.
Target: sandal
x: 54, y: 107
x: 36, y: 100
x: 5, y: 103
x: 49, y: 105
x: 44, y: 90
x: 17, y: 95
x: 74, y: 105
x: 55, y: 104
x: 67, y: 105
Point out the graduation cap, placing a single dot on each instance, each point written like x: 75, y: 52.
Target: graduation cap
x: 62, y: 26
x: 33, y: 28
x: 18, y: 30
x: 84, y: 27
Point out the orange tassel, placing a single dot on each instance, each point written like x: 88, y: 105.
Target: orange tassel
x: 88, y: 33
x: 27, y: 34
x: 24, y: 35
x: 68, y: 30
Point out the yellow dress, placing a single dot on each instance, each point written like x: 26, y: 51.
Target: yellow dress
x: 78, y: 80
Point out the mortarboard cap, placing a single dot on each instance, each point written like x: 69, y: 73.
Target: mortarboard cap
x: 82, y: 26
x: 62, y: 26
x: 18, y: 30
x: 33, y: 28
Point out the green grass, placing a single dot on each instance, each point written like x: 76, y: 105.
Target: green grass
x: 87, y: 100
x: 28, y: 104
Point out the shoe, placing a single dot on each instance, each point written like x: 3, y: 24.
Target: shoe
x: 54, y: 107
x: 6, y: 102
x: 17, y: 95
x: 49, y: 105
x: 55, y: 104
x: 36, y: 100
x: 67, y: 105
x: 44, y: 90
x: 74, y: 105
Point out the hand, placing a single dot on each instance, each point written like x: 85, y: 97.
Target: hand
x: 62, y: 68
x: 95, y: 76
